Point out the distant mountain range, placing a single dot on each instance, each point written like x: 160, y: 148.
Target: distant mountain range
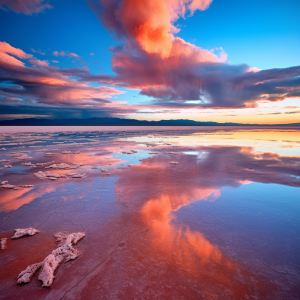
x: 120, y: 122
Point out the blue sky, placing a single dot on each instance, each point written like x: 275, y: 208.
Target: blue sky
x: 262, y: 34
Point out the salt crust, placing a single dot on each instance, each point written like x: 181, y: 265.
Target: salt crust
x: 25, y: 231
x: 64, y: 252
x: 3, y: 243
x: 173, y: 162
x: 53, y: 176
x: 64, y: 166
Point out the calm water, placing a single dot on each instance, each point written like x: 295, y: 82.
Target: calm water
x: 220, y: 222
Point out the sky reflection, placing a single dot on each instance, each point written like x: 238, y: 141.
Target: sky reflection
x: 145, y: 217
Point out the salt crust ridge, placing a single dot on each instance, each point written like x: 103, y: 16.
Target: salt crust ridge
x: 25, y: 231
x: 64, y: 252
x: 53, y: 176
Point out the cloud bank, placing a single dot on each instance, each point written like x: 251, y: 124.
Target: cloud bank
x: 41, y: 84
x: 179, y: 74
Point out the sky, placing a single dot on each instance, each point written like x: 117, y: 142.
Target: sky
x: 204, y: 60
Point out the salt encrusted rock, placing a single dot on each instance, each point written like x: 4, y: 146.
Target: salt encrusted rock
x: 103, y: 170
x: 75, y: 175
x: 48, y: 175
x: 64, y: 166
x: 24, y: 157
x: 28, y: 164
x: 25, y: 276
x: 173, y: 162
x: 25, y: 231
x: 94, y: 167
x: 26, y: 186
x: 46, y: 163
x: 8, y: 186
x: 64, y: 252
x: 67, y: 152
x: 68, y: 238
x: 4, y: 182
x: 3, y: 242
x: 7, y: 166
x: 2, y: 149
x: 4, y: 160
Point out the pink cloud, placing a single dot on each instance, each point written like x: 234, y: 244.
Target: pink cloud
x: 27, y: 7
x: 178, y: 74
x: 37, y: 62
x: 92, y: 54
x: 51, y: 85
x: 6, y: 52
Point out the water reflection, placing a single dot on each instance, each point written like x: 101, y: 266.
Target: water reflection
x: 141, y: 250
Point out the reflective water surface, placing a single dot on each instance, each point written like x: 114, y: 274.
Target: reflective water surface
x: 169, y: 213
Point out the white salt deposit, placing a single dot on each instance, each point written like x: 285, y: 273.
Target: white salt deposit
x: 25, y: 231
x: 3, y: 242
x: 64, y: 166
x: 8, y: 186
x: 64, y: 252
x: 48, y: 175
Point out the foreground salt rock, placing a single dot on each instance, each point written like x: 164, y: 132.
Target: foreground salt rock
x: 25, y: 231
x: 3, y: 242
x: 63, y: 253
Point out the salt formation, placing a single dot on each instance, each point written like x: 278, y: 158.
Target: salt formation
x: 48, y: 175
x: 28, y: 164
x: 70, y: 152
x: 4, y: 182
x: 7, y: 166
x: 173, y: 162
x: 46, y: 163
x: 8, y: 186
x: 54, y: 176
x: 3, y: 243
x: 64, y: 166
x: 75, y: 175
x: 25, y: 231
x: 24, y: 157
x: 64, y: 252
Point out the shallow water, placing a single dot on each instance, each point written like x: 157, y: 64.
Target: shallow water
x: 222, y: 223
